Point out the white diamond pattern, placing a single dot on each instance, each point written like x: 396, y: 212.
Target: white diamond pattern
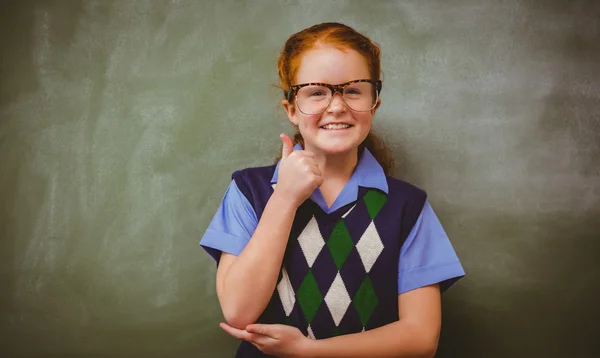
x: 286, y: 293
x: 311, y: 241
x: 348, y: 212
x: 311, y: 335
x: 337, y: 299
x: 369, y: 247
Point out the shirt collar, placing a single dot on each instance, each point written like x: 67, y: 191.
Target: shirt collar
x: 368, y: 173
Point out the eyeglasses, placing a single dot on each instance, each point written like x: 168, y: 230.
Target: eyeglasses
x: 315, y: 98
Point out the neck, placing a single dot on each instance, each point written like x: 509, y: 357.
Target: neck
x: 336, y: 171
x: 337, y: 167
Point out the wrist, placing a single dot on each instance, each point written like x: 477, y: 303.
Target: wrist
x: 283, y: 201
x: 309, y: 349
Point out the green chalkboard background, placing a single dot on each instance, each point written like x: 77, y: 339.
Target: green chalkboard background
x: 121, y: 122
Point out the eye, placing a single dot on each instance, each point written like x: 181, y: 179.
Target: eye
x: 353, y: 91
x: 317, y: 93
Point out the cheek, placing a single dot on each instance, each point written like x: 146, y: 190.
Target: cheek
x: 364, y: 118
x: 306, y: 121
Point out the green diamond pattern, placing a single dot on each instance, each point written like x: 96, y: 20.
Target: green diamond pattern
x: 365, y: 300
x: 309, y: 297
x: 375, y: 200
x: 340, y: 244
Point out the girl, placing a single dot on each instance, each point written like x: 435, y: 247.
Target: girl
x: 324, y: 254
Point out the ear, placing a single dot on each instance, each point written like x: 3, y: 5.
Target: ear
x: 290, y: 110
x: 376, y: 106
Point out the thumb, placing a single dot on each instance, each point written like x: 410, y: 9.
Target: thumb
x: 287, y: 146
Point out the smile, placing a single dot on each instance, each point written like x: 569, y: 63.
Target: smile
x: 336, y: 126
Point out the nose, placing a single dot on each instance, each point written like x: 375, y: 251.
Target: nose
x: 337, y: 104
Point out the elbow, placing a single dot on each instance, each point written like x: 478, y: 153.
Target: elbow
x: 428, y: 346
x: 239, y: 313
x: 424, y: 350
x: 237, y: 319
x: 429, y: 351
x: 425, y: 342
x: 238, y: 322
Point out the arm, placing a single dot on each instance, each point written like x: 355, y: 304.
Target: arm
x: 245, y: 283
x: 427, y: 266
x: 416, y: 334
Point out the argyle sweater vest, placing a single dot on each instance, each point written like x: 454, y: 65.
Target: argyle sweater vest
x: 340, y: 270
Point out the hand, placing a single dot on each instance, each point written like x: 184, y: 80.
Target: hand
x: 299, y: 174
x: 274, y: 339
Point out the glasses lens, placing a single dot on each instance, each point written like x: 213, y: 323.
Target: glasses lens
x: 360, y: 96
x: 313, y: 99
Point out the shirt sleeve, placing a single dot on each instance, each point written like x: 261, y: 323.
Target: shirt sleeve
x: 427, y: 256
x: 232, y: 226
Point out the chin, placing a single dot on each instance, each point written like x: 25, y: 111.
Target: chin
x: 337, y: 148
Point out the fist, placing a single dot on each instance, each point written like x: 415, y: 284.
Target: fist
x: 299, y: 174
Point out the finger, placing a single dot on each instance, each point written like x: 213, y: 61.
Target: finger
x: 305, y: 153
x: 269, y: 330
x: 238, y: 333
x: 319, y: 181
x: 307, y: 160
x: 311, y: 162
x: 318, y: 176
x: 259, y: 329
x: 287, y: 146
x: 259, y: 346
x: 315, y: 170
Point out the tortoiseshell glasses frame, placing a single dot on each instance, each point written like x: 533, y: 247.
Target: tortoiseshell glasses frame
x: 292, y: 93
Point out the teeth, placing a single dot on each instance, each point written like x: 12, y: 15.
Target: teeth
x: 336, y: 126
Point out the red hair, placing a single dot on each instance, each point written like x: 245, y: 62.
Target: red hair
x: 343, y: 37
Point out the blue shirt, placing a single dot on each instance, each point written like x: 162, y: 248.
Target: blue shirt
x: 426, y: 257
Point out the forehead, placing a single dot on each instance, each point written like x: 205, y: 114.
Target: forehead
x: 331, y: 65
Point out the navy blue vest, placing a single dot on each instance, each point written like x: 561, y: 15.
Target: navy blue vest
x: 340, y: 270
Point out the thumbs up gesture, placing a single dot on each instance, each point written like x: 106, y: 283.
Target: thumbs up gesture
x: 287, y: 146
x: 299, y: 174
